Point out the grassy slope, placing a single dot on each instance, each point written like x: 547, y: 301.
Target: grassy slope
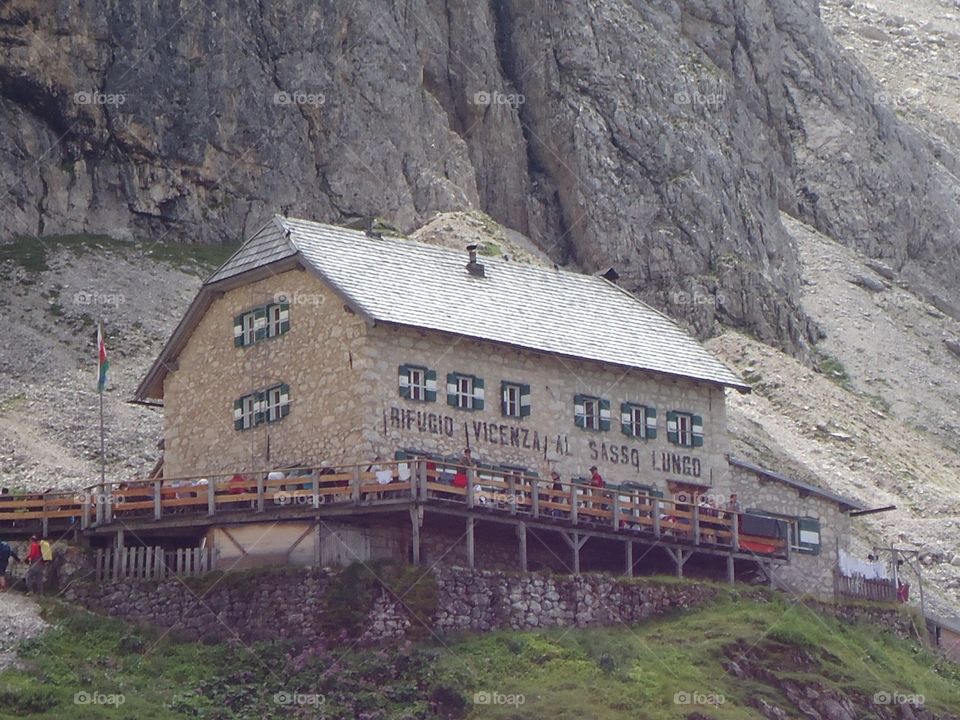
x: 605, y: 674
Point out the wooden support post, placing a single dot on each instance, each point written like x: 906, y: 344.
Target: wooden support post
x: 629, y: 549
x: 769, y: 569
x: 470, y: 556
x: 44, y: 520
x: 415, y: 522
x: 573, y: 504
x: 616, y: 511
x: 316, y: 542
x: 655, y: 511
x: 535, y: 498
x: 315, y: 493
x: 731, y: 570
x: 422, y: 475
x: 260, y: 503
x: 98, y: 501
x: 212, y: 496
x: 107, y: 491
x: 119, y: 538
x: 157, y: 500
x: 735, y: 531
x: 522, y: 533
x: 355, y: 484
x: 576, y: 553
x: 512, y: 492
x: 696, y: 524
x: 679, y: 557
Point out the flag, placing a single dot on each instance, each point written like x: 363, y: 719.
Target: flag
x: 102, y: 363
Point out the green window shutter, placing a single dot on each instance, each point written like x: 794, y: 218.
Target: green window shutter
x: 579, y: 413
x: 697, y: 431
x: 284, y: 317
x: 626, y: 419
x: 431, y: 378
x: 284, y: 400
x: 809, y: 535
x: 503, y: 396
x: 452, y: 398
x: 672, y: 434
x: 651, y: 417
x: 477, y: 393
x: 403, y: 380
x: 260, y: 323
x: 604, y: 414
x: 238, y: 414
x: 525, y: 401
x: 260, y: 408
x: 238, y: 331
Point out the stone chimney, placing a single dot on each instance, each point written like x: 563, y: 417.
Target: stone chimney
x: 473, y: 267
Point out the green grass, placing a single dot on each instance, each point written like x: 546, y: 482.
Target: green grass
x: 32, y: 254
x: 604, y: 674
x: 832, y: 368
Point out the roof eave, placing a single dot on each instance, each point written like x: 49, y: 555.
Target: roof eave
x: 846, y: 504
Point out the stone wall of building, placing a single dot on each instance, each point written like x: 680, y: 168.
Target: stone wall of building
x: 315, y: 358
x: 289, y: 604
x: 548, y: 438
x: 807, y: 573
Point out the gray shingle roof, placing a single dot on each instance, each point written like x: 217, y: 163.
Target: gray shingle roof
x: 400, y: 281
x: 801, y: 486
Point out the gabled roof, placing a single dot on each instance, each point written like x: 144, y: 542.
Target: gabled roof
x: 844, y: 503
x: 402, y: 282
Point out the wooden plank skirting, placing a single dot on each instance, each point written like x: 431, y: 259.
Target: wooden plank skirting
x: 150, y: 563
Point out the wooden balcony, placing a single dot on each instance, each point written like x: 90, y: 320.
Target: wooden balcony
x: 577, y: 512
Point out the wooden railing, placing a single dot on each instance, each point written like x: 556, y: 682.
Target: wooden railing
x: 147, y: 563
x: 429, y: 481
x: 861, y: 588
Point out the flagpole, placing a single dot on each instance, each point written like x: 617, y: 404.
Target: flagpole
x: 103, y: 458
x: 100, y: 386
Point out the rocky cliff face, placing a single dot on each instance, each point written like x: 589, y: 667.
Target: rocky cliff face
x: 661, y: 138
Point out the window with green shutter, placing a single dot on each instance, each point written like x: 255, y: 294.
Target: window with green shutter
x: 261, y: 323
x: 238, y: 337
x: 591, y: 413
x: 809, y: 535
x: 684, y: 429
x: 464, y: 392
x: 514, y: 399
x: 417, y: 383
x: 278, y: 317
x: 639, y: 421
x: 265, y: 406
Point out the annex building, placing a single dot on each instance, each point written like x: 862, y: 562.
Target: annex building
x: 325, y: 348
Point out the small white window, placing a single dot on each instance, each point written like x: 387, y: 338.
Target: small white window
x: 511, y: 400
x: 638, y: 421
x: 249, y: 411
x: 685, y: 430
x: 418, y: 384
x: 274, y: 404
x: 465, y: 392
x: 249, y: 329
x: 275, y: 320
x: 591, y: 414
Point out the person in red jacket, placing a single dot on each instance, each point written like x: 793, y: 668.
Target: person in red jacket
x: 596, y: 482
x: 35, y: 560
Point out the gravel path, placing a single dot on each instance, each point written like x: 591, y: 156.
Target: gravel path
x: 19, y: 620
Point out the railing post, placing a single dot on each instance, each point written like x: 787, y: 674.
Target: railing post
x: 355, y: 484
x: 212, y: 496
x: 696, y: 524
x: 98, y: 498
x: 84, y: 511
x: 315, y: 485
x: 260, y: 498
x: 108, y: 503
x: 655, y: 511
x: 422, y: 478
x: 44, y: 520
x: 157, y: 500
x: 512, y: 491
x: 535, y: 498
x: 616, y: 510
x: 470, y: 482
x: 735, y: 530
x: 573, y: 504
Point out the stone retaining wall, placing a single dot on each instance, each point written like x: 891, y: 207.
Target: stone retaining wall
x: 288, y: 603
